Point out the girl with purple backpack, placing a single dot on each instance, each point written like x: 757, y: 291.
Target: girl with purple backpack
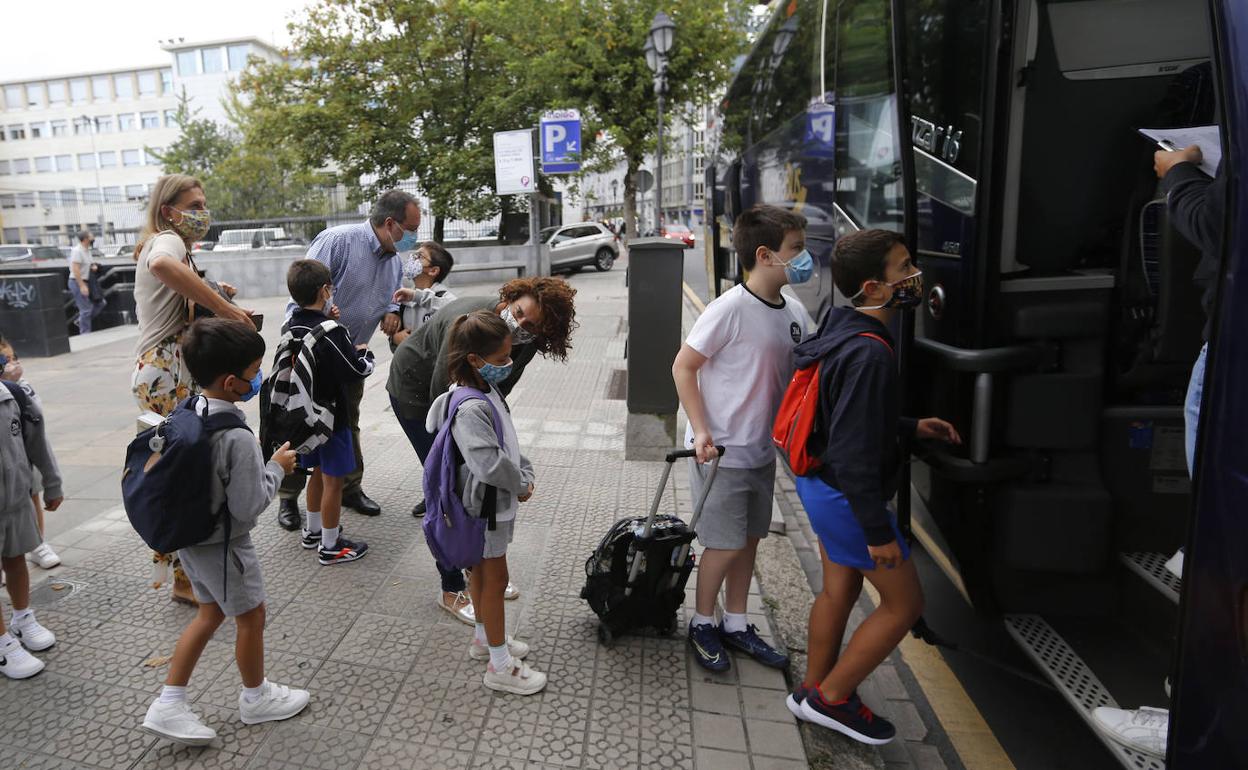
x: 490, y: 479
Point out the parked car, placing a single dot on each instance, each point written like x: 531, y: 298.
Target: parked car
x: 117, y: 250
x: 680, y: 232
x: 250, y: 238
x: 577, y: 245
x: 34, y: 252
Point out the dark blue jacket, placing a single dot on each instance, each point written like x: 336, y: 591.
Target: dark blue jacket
x: 1197, y: 206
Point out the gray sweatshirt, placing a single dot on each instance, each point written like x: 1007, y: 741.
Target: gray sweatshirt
x: 240, y: 476
x: 23, y: 444
x: 485, y: 462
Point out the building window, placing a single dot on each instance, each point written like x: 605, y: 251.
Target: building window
x: 26, y: 200
x: 64, y: 162
x: 124, y: 85
x: 125, y: 122
x: 86, y: 161
x: 43, y: 164
x: 104, y: 124
x: 38, y: 130
x: 187, y: 63
x: 91, y: 195
x: 47, y: 199
x: 213, y: 63
x: 8, y: 202
x: 166, y: 81
x: 171, y: 118
x: 59, y: 127
x: 149, y: 119
x: 10, y: 233
x: 69, y: 197
x: 238, y: 57
x: 34, y: 95
x: 5, y: 168
x: 131, y: 158
x: 147, y: 84
x: 101, y: 88
x: 151, y: 155
x: 56, y: 93
x: 14, y: 99
x: 17, y: 132
x: 21, y: 165
x: 136, y: 192
x: 78, y: 91
x: 113, y: 195
x: 108, y: 159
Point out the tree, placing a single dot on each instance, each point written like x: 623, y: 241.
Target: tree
x: 201, y: 145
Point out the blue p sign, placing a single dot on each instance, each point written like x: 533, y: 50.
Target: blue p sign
x: 561, y: 142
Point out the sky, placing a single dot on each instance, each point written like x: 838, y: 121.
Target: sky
x: 45, y: 38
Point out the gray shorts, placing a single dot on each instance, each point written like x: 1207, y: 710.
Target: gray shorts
x: 496, y: 542
x: 240, y: 589
x: 738, y: 506
x: 19, y: 531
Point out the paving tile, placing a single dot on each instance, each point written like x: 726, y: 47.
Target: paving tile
x: 713, y: 759
x: 715, y: 698
x: 775, y: 739
x: 925, y: 756
x: 718, y: 731
x: 758, y: 703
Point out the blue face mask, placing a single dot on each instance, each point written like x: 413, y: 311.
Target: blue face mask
x: 493, y: 373
x: 255, y: 387
x: 800, y: 268
x: 406, y: 243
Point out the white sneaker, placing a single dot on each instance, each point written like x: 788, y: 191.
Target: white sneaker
x: 33, y: 636
x: 480, y: 651
x: 44, y: 557
x: 511, y: 592
x: 176, y: 722
x: 1142, y: 729
x: 16, y: 663
x: 1174, y: 565
x: 519, y: 679
x: 278, y: 702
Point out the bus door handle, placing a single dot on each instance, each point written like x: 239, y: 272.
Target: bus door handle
x: 984, y: 363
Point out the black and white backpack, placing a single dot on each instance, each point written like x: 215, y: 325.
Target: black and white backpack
x: 288, y: 407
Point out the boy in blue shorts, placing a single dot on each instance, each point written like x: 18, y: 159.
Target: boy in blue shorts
x: 337, y: 363
x: 731, y: 374
x: 856, y: 437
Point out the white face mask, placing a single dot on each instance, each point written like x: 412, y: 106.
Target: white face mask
x: 519, y: 334
x: 329, y: 304
x: 413, y: 267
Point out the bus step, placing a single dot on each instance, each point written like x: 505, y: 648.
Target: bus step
x: 1073, y: 679
x: 1151, y: 567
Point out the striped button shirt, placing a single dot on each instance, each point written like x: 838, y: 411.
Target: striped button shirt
x: 364, y: 275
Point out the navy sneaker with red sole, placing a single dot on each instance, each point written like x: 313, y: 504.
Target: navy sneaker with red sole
x: 850, y: 717
x: 794, y: 701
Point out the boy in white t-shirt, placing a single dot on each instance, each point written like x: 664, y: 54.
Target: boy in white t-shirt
x: 731, y: 374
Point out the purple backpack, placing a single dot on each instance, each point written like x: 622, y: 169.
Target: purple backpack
x: 453, y: 534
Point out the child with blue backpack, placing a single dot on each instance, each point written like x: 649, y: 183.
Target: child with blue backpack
x: 477, y: 440
x: 224, y: 569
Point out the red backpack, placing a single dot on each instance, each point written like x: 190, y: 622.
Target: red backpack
x: 798, y: 411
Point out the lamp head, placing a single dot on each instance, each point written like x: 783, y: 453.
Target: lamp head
x: 662, y: 30
x: 652, y: 56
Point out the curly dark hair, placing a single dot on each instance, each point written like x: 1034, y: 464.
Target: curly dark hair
x: 555, y: 299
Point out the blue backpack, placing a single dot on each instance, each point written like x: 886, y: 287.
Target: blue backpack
x: 455, y: 537
x: 166, y: 484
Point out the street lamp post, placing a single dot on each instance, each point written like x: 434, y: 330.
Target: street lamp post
x: 658, y: 45
x: 99, y: 189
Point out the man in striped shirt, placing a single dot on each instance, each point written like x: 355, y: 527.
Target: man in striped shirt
x: 366, y: 271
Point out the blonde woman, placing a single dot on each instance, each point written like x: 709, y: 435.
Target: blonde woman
x: 165, y: 284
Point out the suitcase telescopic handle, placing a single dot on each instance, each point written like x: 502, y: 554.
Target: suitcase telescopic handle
x: 680, y: 454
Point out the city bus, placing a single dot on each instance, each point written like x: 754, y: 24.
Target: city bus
x: 1061, y: 320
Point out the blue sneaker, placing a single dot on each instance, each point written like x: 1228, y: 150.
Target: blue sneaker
x: 794, y: 701
x: 708, y: 648
x: 748, y: 641
x: 849, y: 717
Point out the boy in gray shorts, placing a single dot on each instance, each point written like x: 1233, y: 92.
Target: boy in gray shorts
x: 731, y: 374
x: 23, y: 443
x: 224, y: 358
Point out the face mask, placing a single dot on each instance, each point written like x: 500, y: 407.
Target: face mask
x: 255, y: 387
x: 800, y: 268
x: 328, y: 306
x: 412, y: 268
x: 406, y: 241
x: 10, y: 370
x: 519, y: 334
x: 194, y: 224
x: 494, y: 374
x: 907, y: 293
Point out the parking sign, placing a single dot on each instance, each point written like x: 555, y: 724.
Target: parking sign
x: 561, y: 142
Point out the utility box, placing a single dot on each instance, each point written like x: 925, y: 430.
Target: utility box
x: 655, y: 278
x: 32, y: 313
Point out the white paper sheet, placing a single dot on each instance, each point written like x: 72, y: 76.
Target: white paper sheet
x: 1205, y: 137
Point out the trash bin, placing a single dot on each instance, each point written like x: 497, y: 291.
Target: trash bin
x: 655, y: 275
x: 32, y: 313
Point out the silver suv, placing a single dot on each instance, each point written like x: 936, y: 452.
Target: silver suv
x: 577, y: 245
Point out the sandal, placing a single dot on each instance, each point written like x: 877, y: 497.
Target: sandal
x: 182, y: 593
x: 460, y: 607
x: 511, y: 592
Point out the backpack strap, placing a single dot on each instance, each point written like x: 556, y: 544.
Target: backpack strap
x: 215, y: 423
x: 879, y: 339
x: 23, y: 404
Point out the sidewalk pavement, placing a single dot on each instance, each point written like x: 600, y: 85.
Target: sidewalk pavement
x: 391, y: 683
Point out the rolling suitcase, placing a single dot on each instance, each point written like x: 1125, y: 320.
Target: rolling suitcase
x: 636, y: 576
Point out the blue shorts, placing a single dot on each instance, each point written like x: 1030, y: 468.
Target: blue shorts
x: 335, y: 457
x: 839, y: 532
